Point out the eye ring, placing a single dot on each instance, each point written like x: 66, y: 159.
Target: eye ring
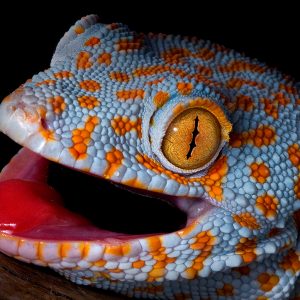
x: 212, y: 120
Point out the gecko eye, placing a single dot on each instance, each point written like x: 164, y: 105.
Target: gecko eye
x: 192, y: 139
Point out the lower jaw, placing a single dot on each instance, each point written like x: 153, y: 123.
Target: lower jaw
x: 32, y: 210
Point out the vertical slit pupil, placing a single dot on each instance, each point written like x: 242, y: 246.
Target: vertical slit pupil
x: 195, y: 133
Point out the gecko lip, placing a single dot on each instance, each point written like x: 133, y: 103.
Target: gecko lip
x: 30, y: 208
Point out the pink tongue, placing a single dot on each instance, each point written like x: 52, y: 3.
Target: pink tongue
x: 31, y: 208
x: 25, y: 205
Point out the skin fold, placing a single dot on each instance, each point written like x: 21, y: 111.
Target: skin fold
x: 194, y: 123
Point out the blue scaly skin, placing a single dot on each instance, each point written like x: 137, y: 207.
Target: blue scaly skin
x: 182, y: 117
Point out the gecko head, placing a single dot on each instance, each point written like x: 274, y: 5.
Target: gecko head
x: 116, y: 105
x: 112, y: 107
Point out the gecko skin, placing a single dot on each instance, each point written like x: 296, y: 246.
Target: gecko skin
x: 215, y: 132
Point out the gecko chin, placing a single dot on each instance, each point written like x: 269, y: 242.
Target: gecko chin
x: 55, y: 203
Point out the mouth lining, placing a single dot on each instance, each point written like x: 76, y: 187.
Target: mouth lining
x: 133, y: 214
x: 115, y: 208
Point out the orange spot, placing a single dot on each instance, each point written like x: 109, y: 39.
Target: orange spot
x: 63, y: 74
x: 86, y: 250
x: 100, y: 263
x: 205, y: 54
x: 104, y: 58
x: 157, y: 168
x: 246, y: 249
x: 294, y: 155
x: 138, y: 264
x: 83, y: 60
x: 79, y: 29
x: 227, y: 290
x: 260, y: 172
x: 156, y: 81
x: 124, y: 95
x: 179, y: 72
x: 90, y: 85
x: 184, y: 88
x: 58, y: 104
x: 158, y: 69
x: 130, y: 44
x: 267, y: 205
x: 123, y: 124
x: 93, y: 41
x: 47, y: 82
x: 242, y: 102
x: 88, y: 101
x: 263, y: 298
x: 119, y: 76
x: 270, y: 107
x: 114, y: 159
x: 115, y: 270
x: 161, y: 98
x: 212, y: 181
x: 154, y: 243
x: 203, y: 79
x: 176, y: 55
x: 157, y: 273
x: 267, y: 281
x: 244, y: 270
x: 204, y: 70
x: 242, y: 66
x: 117, y: 250
x: 204, y: 242
x: 135, y: 183
x: 290, y: 89
x: 237, y: 83
x: 291, y: 262
x: 281, y: 99
x: 263, y: 135
x: 81, y: 138
x: 65, y: 248
x: 158, y: 254
x: 245, y: 219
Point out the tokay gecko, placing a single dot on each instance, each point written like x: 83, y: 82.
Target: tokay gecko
x: 211, y: 131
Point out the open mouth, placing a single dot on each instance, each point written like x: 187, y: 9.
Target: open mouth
x: 51, y: 202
